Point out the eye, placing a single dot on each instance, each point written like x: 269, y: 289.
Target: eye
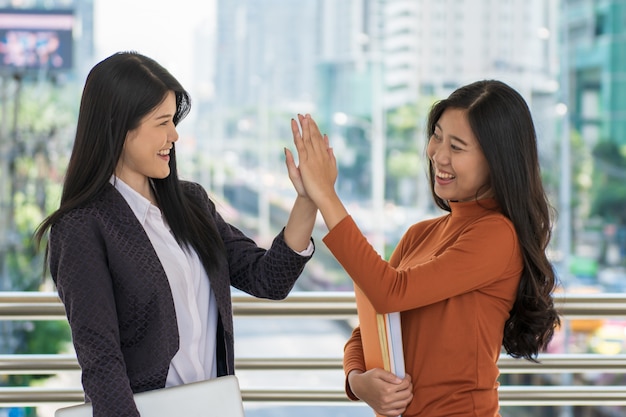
x: 455, y: 148
x: 436, y: 137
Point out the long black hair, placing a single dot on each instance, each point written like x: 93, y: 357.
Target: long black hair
x: 118, y: 93
x: 501, y: 121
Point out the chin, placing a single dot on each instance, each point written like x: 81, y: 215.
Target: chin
x: 444, y: 196
x: 161, y: 176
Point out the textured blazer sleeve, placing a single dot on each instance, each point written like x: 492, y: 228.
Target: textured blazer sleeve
x: 266, y: 273
x: 79, y: 267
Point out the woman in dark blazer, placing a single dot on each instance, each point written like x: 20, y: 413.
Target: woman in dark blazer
x: 142, y: 261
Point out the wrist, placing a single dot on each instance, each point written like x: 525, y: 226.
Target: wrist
x: 351, y: 375
x: 332, y: 210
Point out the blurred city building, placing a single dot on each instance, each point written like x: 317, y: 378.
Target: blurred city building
x: 597, y: 62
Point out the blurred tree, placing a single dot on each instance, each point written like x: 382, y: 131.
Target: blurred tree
x: 34, y: 151
x: 609, y: 192
x: 406, y: 145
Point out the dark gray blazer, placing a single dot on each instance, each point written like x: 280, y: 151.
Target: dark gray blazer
x: 119, y: 303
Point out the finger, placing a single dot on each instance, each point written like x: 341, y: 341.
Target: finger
x: 292, y: 168
x: 390, y: 378
x: 329, y: 149
x: 306, y: 131
x: 397, y: 405
x: 317, y: 140
x: 289, y: 159
x: 297, y: 139
x: 393, y: 412
x: 295, y: 129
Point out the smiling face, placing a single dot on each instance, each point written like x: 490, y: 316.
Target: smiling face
x: 461, y: 172
x: 147, y: 147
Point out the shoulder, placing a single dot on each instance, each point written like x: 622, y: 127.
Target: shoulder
x: 106, y: 207
x: 427, y: 224
x: 104, y: 202
x: 195, y: 191
x: 488, y: 225
x: 496, y: 223
x: 197, y: 195
x: 495, y: 234
x: 192, y: 187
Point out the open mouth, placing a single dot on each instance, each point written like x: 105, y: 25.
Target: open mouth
x: 445, y: 176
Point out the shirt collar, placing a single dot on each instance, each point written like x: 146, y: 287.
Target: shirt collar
x: 138, y: 203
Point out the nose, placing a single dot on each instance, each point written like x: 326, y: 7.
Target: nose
x: 173, y: 135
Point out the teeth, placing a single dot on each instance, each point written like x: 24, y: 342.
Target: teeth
x: 445, y: 175
x: 164, y: 152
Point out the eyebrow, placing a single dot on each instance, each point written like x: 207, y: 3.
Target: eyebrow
x: 459, y: 139
x: 453, y: 136
x: 163, y: 116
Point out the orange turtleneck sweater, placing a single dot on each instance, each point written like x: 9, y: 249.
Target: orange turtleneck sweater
x: 454, y: 279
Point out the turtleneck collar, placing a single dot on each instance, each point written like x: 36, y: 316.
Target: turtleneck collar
x: 473, y: 208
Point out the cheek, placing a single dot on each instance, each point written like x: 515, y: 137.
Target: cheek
x: 483, y: 174
x: 430, y: 149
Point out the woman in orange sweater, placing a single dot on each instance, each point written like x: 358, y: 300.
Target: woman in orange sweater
x: 466, y: 283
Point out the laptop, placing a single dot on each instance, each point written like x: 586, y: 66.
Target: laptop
x: 214, y: 397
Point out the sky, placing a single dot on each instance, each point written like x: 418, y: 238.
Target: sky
x: 160, y: 29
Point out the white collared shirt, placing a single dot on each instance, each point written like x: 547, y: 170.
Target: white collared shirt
x: 194, y: 301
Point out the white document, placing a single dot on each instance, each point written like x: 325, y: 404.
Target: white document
x: 214, y: 397
x: 394, y: 342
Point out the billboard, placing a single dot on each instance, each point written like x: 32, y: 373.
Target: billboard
x: 35, y: 39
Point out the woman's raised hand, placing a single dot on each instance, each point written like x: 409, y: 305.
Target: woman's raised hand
x: 317, y: 168
x: 317, y: 164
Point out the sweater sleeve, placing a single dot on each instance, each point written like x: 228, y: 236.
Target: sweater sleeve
x: 353, y: 359
x: 78, y: 264
x: 486, y: 250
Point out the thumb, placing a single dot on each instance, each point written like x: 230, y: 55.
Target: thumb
x: 389, y: 377
x: 392, y: 379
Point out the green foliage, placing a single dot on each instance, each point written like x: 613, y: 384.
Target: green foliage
x: 608, y: 152
x: 609, y: 192
x: 404, y: 119
x: 404, y: 164
x: 609, y: 202
x: 406, y: 142
x: 51, y: 337
x: 31, y: 173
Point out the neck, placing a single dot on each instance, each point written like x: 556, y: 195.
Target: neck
x: 141, y: 185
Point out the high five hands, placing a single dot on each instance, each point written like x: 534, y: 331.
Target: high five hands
x: 317, y: 168
x: 387, y: 394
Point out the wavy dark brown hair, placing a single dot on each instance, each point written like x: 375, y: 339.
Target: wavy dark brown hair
x: 501, y: 121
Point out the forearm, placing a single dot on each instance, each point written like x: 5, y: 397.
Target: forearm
x: 332, y: 210
x: 300, y: 224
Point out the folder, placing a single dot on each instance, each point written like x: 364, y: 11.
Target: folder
x: 214, y: 397
x: 381, y: 336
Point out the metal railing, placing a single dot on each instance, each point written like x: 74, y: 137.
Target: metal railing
x: 337, y: 306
